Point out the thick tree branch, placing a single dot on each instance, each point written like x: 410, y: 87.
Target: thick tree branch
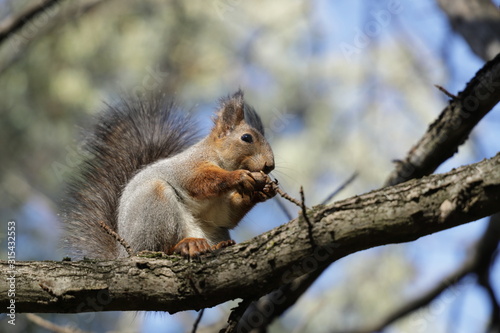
x: 453, y: 126
x: 391, y: 215
x: 399, y: 175
x: 479, y: 260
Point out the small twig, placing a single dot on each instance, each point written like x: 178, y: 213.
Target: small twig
x: 281, y: 205
x: 288, y: 197
x: 306, y: 218
x: 302, y: 199
x: 117, y: 237
x: 301, y: 204
x: 340, y: 188
x: 446, y: 92
x: 51, y: 326
x: 200, y: 314
x: 197, y: 322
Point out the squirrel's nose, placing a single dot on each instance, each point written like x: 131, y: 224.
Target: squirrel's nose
x: 268, y: 168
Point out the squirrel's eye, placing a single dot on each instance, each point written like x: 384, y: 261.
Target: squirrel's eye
x: 247, y: 138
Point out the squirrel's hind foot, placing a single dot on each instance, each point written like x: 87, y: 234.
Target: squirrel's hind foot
x: 194, y: 247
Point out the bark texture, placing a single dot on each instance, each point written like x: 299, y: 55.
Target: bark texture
x: 390, y: 215
x: 453, y: 126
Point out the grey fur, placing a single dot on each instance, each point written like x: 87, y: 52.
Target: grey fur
x: 125, y: 138
x: 143, y: 153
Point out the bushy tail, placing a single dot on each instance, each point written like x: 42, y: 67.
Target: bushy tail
x: 125, y: 138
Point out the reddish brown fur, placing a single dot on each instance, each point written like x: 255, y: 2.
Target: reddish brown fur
x: 209, y: 181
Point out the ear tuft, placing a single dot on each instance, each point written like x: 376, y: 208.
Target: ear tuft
x: 238, y: 95
x: 253, y: 119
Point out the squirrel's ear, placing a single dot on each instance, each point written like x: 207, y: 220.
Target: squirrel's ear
x: 230, y: 115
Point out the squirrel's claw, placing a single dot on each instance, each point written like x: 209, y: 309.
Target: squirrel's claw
x: 194, y: 247
x: 191, y: 247
x: 268, y: 191
x: 223, y: 244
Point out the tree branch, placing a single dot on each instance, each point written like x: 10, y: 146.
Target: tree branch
x: 479, y: 262
x: 11, y: 25
x: 30, y: 25
x: 399, y: 175
x: 391, y: 215
x: 478, y: 22
x: 453, y: 126
x: 51, y: 327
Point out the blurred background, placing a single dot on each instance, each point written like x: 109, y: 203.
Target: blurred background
x: 343, y: 87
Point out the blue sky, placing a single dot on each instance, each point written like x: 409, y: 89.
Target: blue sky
x: 463, y: 308
x: 338, y: 23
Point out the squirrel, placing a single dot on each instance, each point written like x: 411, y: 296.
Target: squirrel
x: 153, y: 182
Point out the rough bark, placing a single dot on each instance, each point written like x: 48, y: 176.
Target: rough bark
x: 440, y: 142
x: 453, y: 126
x: 390, y: 215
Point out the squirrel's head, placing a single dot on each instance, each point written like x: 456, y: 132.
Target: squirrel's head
x: 238, y: 135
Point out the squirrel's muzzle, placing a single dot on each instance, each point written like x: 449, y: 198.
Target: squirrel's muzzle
x: 268, y: 168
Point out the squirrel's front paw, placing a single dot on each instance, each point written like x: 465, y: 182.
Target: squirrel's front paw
x: 245, y: 181
x: 249, y: 182
x: 267, y: 192
x: 191, y: 247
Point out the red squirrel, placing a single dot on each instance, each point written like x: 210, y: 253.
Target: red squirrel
x: 150, y: 181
